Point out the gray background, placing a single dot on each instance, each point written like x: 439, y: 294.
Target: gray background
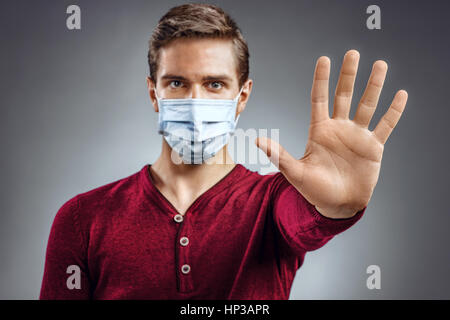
x: 75, y: 114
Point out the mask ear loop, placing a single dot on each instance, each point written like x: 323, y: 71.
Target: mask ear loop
x: 239, y: 94
x: 156, y: 95
x: 237, y: 100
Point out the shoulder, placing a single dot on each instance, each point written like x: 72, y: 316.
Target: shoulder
x: 111, y: 190
x: 108, y: 196
x: 254, y: 179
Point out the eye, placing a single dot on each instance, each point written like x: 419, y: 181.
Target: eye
x: 216, y: 85
x: 175, y: 83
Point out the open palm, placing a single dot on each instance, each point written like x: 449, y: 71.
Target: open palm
x: 342, y: 160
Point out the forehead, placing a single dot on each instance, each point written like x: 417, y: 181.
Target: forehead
x: 198, y: 57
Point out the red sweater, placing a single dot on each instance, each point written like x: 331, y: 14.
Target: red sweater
x: 244, y: 238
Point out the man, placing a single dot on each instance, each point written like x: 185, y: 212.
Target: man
x: 205, y: 227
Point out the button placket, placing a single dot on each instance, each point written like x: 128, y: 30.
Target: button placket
x: 184, y: 265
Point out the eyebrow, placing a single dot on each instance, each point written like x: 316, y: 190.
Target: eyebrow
x: 222, y: 77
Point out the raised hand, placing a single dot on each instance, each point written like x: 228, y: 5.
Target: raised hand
x: 341, y: 164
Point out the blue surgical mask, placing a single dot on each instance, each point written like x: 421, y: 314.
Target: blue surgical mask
x: 197, y: 128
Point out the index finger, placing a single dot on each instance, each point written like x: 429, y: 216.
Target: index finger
x: 390, y: 119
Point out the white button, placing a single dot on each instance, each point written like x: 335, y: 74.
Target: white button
x: 184, y: 241
x: 185, y: 268
x: 178, y: 218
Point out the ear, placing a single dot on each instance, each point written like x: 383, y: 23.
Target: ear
x: 245, y: 95
x: 151, y: 91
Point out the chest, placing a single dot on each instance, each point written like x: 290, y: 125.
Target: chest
x: 156, y: 250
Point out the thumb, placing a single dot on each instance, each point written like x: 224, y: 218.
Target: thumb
x: 275, y: 152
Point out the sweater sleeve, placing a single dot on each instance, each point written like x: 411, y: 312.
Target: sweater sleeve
x: 65, y: 270
x: 300, y: 225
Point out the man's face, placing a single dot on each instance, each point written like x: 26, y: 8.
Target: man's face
x: 198, y: 68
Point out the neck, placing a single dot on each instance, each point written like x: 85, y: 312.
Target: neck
x: 179, y: 178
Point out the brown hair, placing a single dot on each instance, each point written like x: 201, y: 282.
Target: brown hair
x: 196, y: 20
